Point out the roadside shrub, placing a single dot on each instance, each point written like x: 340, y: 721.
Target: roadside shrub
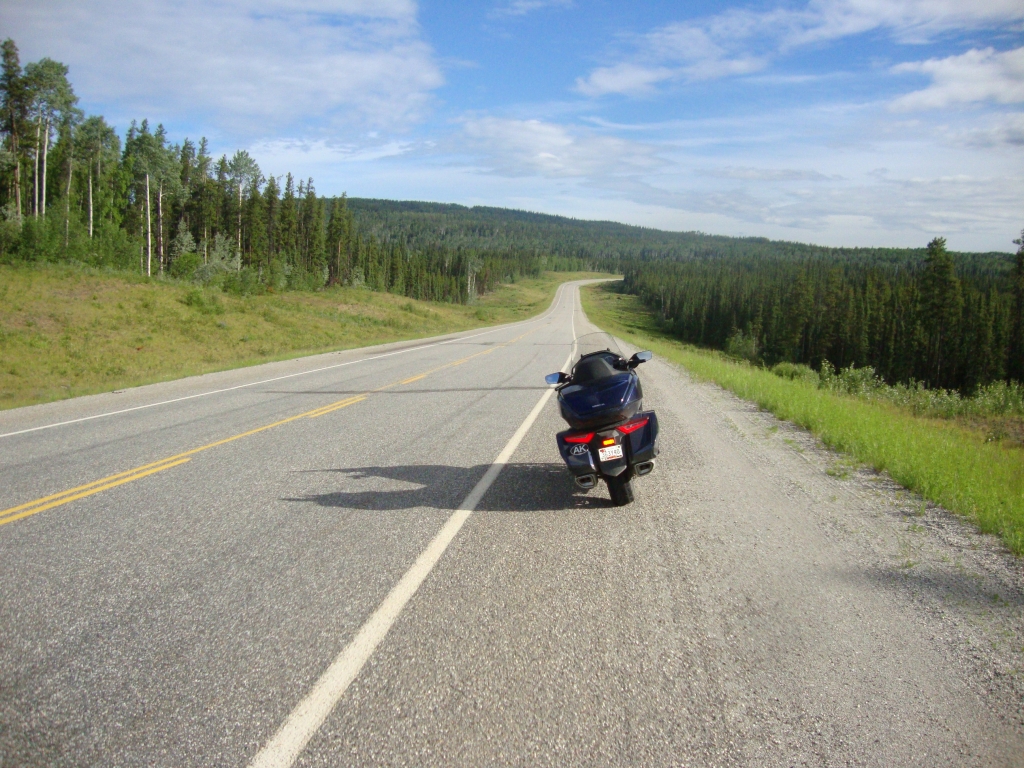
x: 244, y: 282
x: 207, y: 304
x: 185, y: 265
x: 277, y: 275
x: 10, y: 232
x: 743, y: 346
x: 306, y: 280
x: 796, y: 372
x: 997, y: 399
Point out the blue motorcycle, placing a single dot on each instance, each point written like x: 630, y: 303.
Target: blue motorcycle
x: 610, y: 436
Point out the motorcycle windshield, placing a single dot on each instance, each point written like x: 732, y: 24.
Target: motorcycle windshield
x: 595, y: 342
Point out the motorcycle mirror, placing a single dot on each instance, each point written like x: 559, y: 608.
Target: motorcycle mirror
x: 556, y: 378
x: 640, y: 357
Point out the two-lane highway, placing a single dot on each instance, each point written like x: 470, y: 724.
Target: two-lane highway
x: 376, y: 558
x: 177, y: 577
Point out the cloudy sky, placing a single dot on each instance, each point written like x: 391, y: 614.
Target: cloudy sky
x: 842, y: 122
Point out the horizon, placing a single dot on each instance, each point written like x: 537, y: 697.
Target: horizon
x: 838, y: 123
x: 698, y: 232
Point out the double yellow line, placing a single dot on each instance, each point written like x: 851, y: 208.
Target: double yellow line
x: 49, y: 502
x: 80, y: 492
x: 57, y: 499
x: 335, y: 406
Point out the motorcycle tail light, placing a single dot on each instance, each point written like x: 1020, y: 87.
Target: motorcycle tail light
x: 585, y: 438
x: 609, y: 441
x: 633, y: 426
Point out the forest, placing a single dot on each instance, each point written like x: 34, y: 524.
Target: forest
x: 946, y: 320
x: 71, y: 189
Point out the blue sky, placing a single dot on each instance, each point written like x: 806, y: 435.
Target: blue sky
x: 841, y: 122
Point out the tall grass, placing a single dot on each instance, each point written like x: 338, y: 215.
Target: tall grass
x: 999, y: 398
x: 943, y: 462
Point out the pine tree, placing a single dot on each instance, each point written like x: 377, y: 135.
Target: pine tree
x: 14, y: 106
x: 287, y: 225
x: 941, y: 307
x: 1015, y: 357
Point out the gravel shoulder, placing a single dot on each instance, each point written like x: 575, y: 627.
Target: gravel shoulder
x: 856, y: 623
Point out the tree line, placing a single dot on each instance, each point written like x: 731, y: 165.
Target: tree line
x: 71, y: 190
x: 954, y: 321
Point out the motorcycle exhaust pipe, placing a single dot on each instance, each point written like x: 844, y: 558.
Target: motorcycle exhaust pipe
x: 644, y: 468
x: 586, y: 482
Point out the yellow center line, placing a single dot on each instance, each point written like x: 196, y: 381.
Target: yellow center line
x: 336, y: 406
x: 6, y: 517
x: 414, y: 378
x: 71, y: 491
x: 80, y: 492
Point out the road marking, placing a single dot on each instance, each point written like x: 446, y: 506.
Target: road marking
x: 31, y: 508
x: 57, y: 499
x: 414, y: 378
x: 554, y: 307
x: 336, y: 406
x: 309, y: 714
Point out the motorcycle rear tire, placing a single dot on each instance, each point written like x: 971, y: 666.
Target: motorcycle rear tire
x: 621, y: 490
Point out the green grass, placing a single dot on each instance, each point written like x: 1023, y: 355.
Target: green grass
x: 67, y: 331
x: 943, y: 462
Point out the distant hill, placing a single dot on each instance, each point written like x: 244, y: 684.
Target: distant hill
x: 609, y: 244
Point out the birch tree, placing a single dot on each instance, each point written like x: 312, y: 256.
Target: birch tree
x: 52, y: 103
x: 99, y: 148
x: 166, y: 169
x: 142, y: 156
x: 71, y: 119
x: 244, y: 173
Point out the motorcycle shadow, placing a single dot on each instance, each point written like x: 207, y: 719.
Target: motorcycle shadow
x: 519, y: 488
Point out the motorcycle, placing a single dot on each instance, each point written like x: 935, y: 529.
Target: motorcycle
x: 610, y: 436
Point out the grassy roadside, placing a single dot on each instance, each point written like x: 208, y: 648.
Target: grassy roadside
x: 945, y: 463
x: 67, y: 331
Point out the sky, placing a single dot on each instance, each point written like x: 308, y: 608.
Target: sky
x: 837, y: 122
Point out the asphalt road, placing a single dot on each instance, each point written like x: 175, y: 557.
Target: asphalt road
x: 228, y: 547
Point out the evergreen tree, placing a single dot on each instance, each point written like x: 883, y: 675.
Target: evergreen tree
x: 1015, y: 358
x: 941, y: 306
x: 14, y: 103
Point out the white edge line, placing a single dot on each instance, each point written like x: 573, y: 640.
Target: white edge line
x: 279, y: 378
x: 309, y: 714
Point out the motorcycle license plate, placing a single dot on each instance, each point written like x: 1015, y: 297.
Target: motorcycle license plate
x: 611, y: 452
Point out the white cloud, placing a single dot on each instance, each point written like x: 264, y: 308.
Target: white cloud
x: 319, y: 64
x: 978, y: 75
x: 908, y: 20
x: 277, y: 156
x: 523, y: 7
x: 625, y: 78
x: 740, y: 42
x: 1004, y: 130
x: 524, y: 147
x: 765, y: 174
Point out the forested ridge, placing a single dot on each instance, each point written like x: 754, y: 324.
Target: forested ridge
x: 950, y: 320
x: 947, y: 320
x: 72, y: 190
